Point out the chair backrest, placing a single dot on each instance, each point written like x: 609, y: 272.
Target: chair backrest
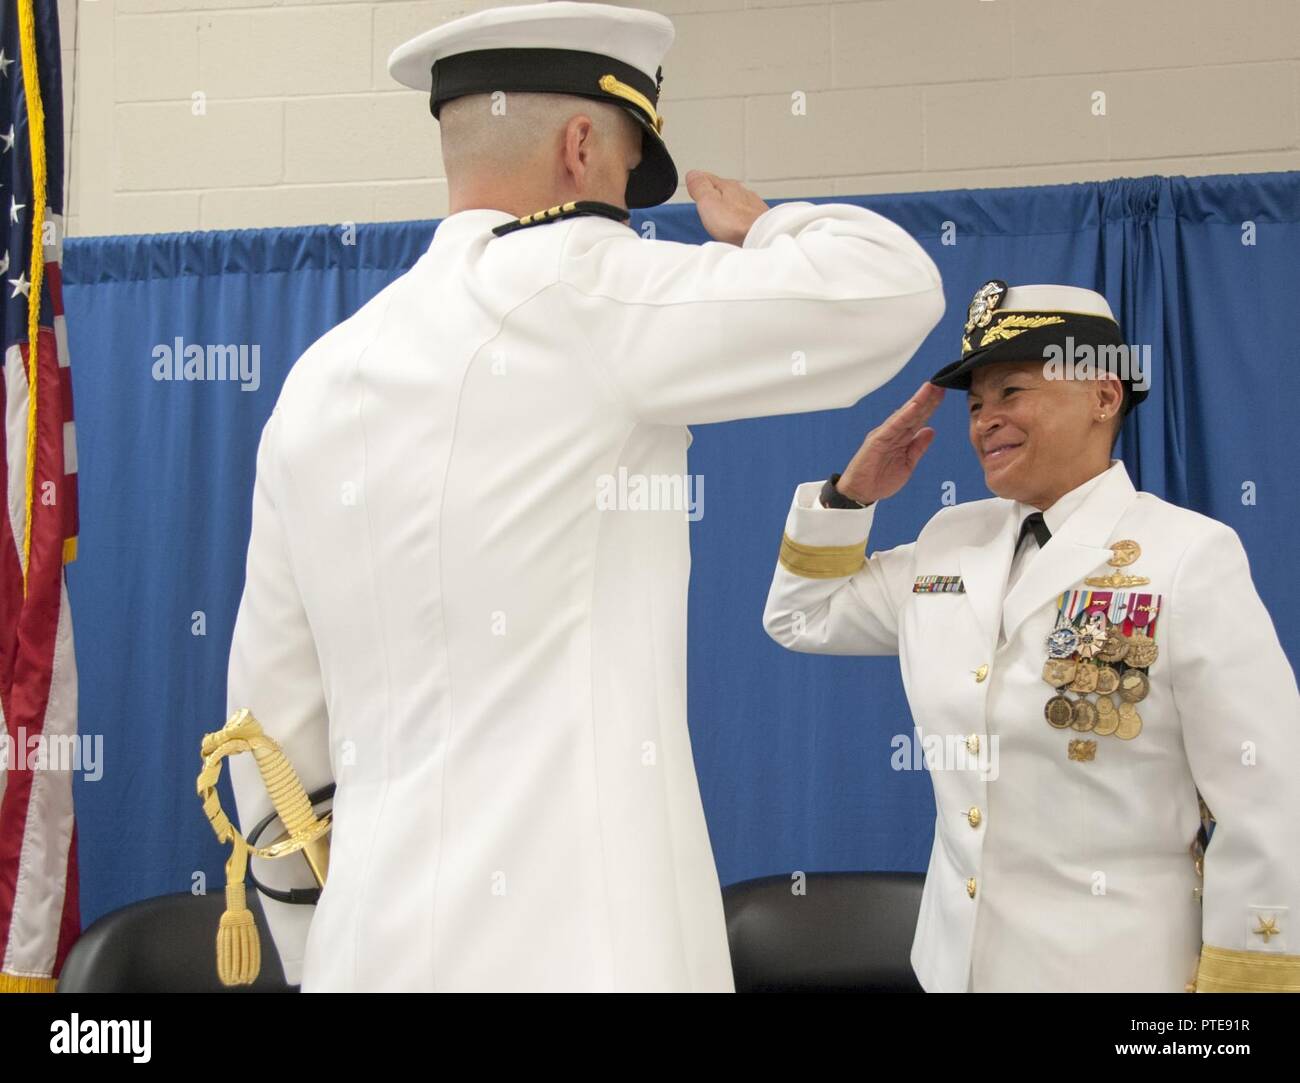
x: 164, y: 945
x: 848, y: 932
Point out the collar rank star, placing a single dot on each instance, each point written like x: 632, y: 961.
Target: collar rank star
x: 938, y: 584
x: 1266, y: 928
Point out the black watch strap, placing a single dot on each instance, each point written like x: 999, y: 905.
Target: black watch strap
x: 831, y: 497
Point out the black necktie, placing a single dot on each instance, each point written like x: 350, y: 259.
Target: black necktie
x: 1034, y: 524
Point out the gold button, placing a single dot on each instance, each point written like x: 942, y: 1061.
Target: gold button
x: 973, y: 816
x: 970, y: 887
x: 981, y: 673
x: 973, y: 744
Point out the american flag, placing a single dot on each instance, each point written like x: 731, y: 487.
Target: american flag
x: 39, y: 916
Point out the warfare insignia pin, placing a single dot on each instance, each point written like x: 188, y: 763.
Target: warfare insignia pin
x: 1124, y: 553
x: 1083, y: 751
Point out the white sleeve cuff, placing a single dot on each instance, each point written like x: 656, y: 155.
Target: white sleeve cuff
x: 811, y: 524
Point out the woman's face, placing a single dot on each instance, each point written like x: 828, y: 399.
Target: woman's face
x: 1034, y: 437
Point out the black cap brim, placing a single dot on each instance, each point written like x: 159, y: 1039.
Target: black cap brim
x: 654, y: 180
x: 1032, y: 345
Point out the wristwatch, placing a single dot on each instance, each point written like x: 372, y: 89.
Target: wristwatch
x: 831, y: 497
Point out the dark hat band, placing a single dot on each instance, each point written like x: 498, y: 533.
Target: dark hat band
x: 544, y: 71
x: 1027, y: 336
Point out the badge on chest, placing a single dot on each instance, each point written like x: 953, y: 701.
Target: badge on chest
x: 1098, y: 657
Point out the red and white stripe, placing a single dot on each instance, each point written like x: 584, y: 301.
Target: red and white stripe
x: 38, y: 680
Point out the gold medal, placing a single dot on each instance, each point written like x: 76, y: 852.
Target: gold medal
x: 1142, y: 651
x: 1084, y: 716
x: 1107, y: 680
x: 1059, y: 712
x: 1115, y: 647
x: 1130, y: 722
x: 1134, y: 686
x: 1058, y: 672
x: 1085, y: 678
x: 1092, y: 637
x: 1124, y: 553
x: 1107, y: 717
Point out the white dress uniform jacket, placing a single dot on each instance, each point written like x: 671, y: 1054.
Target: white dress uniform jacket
x: 1053, y: 874
x: 438, y: 615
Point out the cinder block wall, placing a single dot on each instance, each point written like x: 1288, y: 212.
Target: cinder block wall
x: 213, y: 114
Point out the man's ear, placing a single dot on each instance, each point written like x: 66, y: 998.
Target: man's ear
x: 577, y: 145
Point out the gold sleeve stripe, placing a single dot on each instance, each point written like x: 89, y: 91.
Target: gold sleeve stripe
x: 1223, y: 970
x: 821, y: 561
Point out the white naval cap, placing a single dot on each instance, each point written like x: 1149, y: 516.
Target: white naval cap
x: 596, y: 51
x: 1018, y: 323
x: 1052, y: 298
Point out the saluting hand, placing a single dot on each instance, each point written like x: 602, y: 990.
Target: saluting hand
x: 892, y: 449
x: 727, y: 208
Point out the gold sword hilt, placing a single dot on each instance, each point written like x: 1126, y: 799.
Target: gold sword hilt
x: 238, y: 948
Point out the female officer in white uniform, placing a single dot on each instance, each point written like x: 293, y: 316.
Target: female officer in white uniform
x: 1114, y: 648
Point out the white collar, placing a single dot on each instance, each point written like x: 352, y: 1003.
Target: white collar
x: 477, y: 221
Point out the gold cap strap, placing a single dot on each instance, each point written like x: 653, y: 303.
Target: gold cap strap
x: 611, y: 85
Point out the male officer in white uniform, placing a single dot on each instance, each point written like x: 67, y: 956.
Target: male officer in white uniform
x: 1110, y: 643
x: 464, y: 602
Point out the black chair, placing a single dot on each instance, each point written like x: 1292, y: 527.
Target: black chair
x: 851, y: 932
x: 164, y: 945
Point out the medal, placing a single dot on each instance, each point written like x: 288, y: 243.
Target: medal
x: 1107, y: 717
x: 1107, y: 680
x: 1059, y: 712
x: 1142, y: 651
x: 1085, y: 678
x: 1134, y: 686
x: 1062, y: 642
x: 1058, y: 672
x: 1084, y: 716
x: 1130, y: 722
x: 1116, y: 646
x: 1091, y: 638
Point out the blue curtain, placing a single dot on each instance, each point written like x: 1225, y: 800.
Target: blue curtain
x: 794, y: 753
